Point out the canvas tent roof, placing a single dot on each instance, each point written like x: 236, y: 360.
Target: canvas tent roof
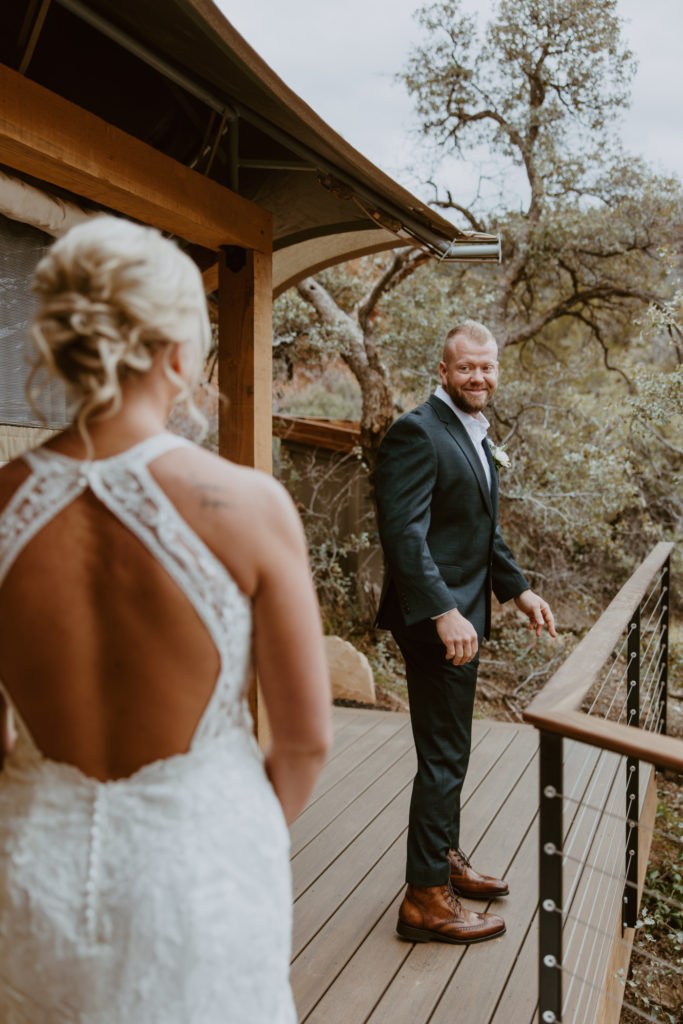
x: 176, y: 74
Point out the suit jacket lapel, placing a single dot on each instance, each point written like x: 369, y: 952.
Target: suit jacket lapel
x: 494, y: 479
x: 462, y: 439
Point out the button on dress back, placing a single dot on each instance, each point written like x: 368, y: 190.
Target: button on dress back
x: 163, y: 896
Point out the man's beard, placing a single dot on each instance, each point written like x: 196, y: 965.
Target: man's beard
x: 468, y: 402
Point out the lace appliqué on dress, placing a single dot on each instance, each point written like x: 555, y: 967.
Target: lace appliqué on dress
x: 164, y: 897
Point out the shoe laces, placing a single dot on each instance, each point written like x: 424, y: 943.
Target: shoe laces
x: 452, y: 899
x: 461, y: 860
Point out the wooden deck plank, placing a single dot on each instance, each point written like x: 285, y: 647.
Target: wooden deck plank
x: 614, y: 995
x: 319, y: 963
x: 518, y: 1001
x: 348, y: 729
x: 593, y: 925
x: 349, y: 966
x: 591, y: 929
x: 322, y: 899
x: 491, y: 962
x: 433, y: 973
x: 361, y: 764
x: 519, y: 991
x: 331, y: 842
x: 518, y: 996
x: 595, y: 899
x: 362, y: 983
x: 344, y: 930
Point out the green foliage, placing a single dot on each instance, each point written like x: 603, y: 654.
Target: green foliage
x: 584, y: 305
x: 655, y: 981
x: 539, y: 86
x: 332, y: 396
x: 322, y: 489
x: 542, y: 80
x: 336, y: 587
x: 294, y: 322
x: 659, y: 398
x: 595, y: 480
x: 388, y: 667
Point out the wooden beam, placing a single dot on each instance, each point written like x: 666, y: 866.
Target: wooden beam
x: 245, y: 333
x: 333, y: 435
x: 46, y: 136
x: 245, y: 357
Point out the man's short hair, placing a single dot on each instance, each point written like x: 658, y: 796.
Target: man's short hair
x: 473, y: 330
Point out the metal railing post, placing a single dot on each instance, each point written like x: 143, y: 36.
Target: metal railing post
x: 630, y: 899
x: 550, y: 879
x: 664, y: 642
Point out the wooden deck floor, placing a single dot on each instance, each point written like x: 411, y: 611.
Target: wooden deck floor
x: 348, y: 851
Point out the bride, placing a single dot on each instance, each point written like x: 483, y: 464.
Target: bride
x: 144, y: 872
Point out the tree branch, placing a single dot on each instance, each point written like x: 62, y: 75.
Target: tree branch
x: 597, y: 334
x: 568, y: 305
x: 403, y: 263
x: 450, y: 204
x: 349, y: 335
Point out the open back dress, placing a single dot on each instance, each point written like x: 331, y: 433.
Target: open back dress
x: 163, y: 897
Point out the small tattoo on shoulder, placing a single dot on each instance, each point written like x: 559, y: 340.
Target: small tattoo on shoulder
x: 211, y: 495
x: 213, y: 503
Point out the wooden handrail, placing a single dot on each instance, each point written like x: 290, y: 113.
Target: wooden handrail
x: 662, y: 751
x: 556, y: 707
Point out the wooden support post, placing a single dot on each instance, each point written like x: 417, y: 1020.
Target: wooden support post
x: 245, y: 343
x: 245, y: 334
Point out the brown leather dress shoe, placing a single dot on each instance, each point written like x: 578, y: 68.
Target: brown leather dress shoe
x: 468, y: 882
x: 434, y: 913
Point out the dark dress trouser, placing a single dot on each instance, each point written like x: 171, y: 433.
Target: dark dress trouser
x: 441, y: 706
x: 437, y: 517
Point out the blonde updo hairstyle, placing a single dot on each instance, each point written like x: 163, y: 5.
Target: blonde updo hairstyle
x: 110, y: 295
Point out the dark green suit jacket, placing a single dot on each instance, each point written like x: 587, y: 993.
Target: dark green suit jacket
x: 438, y: 523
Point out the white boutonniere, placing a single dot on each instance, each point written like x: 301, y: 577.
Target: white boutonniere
x: 501, y: 459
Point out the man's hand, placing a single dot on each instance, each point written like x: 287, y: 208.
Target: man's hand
x: 458, y: 635
x: 537, y: 611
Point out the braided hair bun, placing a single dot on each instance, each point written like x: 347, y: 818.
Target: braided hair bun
x: 111, y: 294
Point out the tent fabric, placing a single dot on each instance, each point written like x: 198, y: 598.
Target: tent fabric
x: 177, y: 75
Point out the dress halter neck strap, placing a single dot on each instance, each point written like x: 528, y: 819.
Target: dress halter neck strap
x: 152, y: 447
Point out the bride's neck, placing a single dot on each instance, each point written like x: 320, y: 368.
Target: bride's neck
x: 144, y: 410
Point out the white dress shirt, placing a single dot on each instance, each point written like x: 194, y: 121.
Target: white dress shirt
x: 476, y: 426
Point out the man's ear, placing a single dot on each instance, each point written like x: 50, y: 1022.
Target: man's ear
x: 442, y: 370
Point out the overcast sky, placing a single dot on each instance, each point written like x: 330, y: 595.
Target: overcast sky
x: 341, y: 56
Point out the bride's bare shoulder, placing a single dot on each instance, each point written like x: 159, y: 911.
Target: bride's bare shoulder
x: 245, y: 516
x: 220, y: 485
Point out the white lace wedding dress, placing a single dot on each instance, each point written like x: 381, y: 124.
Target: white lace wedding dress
x: 162, y: 898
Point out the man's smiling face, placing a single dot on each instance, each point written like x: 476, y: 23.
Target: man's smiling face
x: 469, y: 372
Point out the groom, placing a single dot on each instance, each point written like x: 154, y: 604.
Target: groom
x: 436, y: 484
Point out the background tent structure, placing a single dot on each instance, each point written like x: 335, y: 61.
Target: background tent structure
x: 161, y: 112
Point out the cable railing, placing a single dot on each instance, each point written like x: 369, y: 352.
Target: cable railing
x: 602, y: 723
